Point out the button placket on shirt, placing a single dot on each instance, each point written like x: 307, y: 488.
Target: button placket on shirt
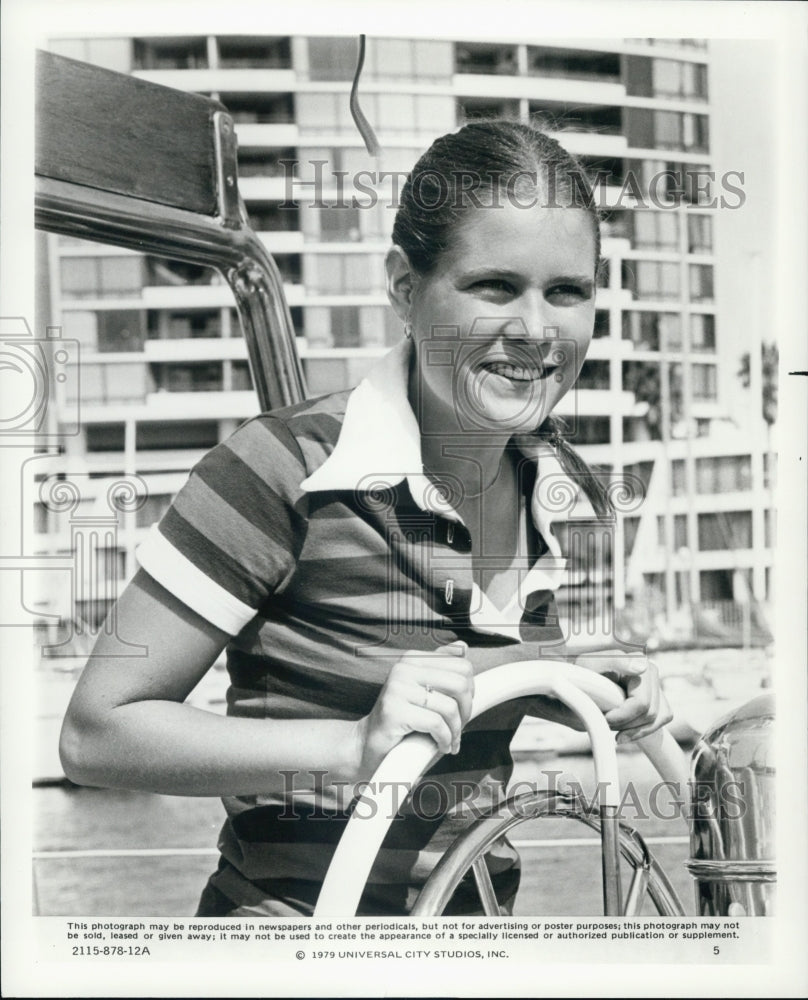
x: 450, y: 582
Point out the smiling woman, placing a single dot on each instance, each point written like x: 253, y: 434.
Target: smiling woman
x: 363, y: 555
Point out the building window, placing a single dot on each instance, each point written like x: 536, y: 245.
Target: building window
x: 261, y: 162
x: 701, y: 282
x: 396, y: 58
x: 340, y: 273
x: 704, y: 381
x: 679, y: 532
x: 723, y: 474
x: 332, y: 58
x: 699, y: 233
x: 40, y: 519
x: 678, y: 478
x: 670, y: 182
x: 273, y: 217
x: 191, y: 324
x: 401, y: 113
x: 651, y: 279
x: 104, y: 437
x: 240, y: 377
x: 601, y: 323
x: 339, y: 224
x: 101, y: 277
x: 716, y: 584
x: 681, y: 130
x: 672, y: 78
x: 106, y: 330
x: 485, y: 57
x: 485, y: 108
x: 603, y: 119
x: 655, y: 230
x: 590, y: 430
x: 594, y: 375
x: 260, y: 109
x: 170, y: 53
x: 254, y: 52
x: 113, y: 383
x: 769, y: 529
x: 351, y: 326
x: 702, y: 333
x: 630, y: 528
x: 161, y: 272
x: 725, y: 530
x: 152, y: 509
x: 109, y: 565
x: 120, y: 330
x: 649, y: 331
x: 192, y: 377
x: 289, y: 266
x: 572, y: 64
x: 769, y: 469
x: 616, y: 225
x: 176, y: 434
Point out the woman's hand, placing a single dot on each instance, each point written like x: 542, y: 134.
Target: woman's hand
x: 424, y: 693
x: 645, y: 708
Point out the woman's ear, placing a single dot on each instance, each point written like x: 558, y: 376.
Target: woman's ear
x: 401, y: 281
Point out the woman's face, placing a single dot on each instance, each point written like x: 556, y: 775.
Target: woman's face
x: 503, y: 323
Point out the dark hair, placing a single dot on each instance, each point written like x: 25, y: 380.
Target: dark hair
x: 485, y: 159
x: 489, y: 159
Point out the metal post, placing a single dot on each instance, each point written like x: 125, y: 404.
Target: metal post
x: 610, y: 860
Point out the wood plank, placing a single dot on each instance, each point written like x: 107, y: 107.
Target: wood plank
x: 117, y: 133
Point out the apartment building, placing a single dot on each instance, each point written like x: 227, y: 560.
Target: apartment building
x: 164, y: 373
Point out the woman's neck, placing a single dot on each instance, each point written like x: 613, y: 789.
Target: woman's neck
x: 451, y: 450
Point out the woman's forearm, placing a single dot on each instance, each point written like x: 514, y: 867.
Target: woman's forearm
x: 176, y: 749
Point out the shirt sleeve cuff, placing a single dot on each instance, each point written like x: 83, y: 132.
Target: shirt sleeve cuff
x: 172, y: 570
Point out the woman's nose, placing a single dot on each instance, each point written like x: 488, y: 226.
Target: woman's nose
x: 531, y: 326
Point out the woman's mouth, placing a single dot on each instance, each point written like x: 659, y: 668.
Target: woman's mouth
x: 518, y: 372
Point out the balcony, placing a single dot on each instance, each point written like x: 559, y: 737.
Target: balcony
x: 573, y: 64
x: 486, y: 58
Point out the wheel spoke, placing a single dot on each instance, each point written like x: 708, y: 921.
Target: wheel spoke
x: 636, y: 892
x: 485, y: 887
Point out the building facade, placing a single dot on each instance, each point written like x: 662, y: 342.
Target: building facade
x: 164, y: 373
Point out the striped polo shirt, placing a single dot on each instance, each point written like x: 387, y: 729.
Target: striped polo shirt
x: 314, y: 537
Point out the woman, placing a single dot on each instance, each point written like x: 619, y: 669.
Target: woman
x: 361, y: 556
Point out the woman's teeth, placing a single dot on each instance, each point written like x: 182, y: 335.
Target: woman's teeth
x: 516, y: 372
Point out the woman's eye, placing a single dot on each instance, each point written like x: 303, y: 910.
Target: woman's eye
x: 568, y: 294
x: 494, y: 285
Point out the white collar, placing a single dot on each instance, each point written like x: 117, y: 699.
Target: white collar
x: 380, y: 445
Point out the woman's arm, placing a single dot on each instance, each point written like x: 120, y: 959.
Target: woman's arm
x: 126, y: 725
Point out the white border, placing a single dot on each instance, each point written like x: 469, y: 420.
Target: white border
x: 23, y: 22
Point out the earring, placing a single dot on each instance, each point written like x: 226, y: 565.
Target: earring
x: 408, y: 330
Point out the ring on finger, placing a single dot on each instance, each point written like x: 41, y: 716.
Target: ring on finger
x: 428, y: 689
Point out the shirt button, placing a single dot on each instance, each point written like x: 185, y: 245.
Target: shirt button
x: 449, y: 591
